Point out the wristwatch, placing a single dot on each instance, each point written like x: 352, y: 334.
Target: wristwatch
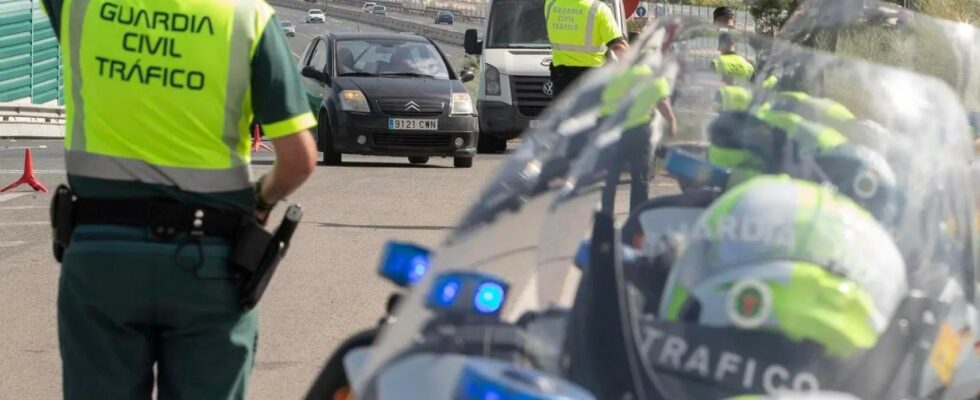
x: 260, y: 203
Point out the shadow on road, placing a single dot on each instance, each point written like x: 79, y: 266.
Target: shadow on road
x: 366, y: 164
x: 390, y: 227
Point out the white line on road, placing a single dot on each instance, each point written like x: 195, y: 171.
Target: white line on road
x: 11, y: 196
x: 12, y: 244
x: 22, y: 207
x: 36, y: 171
x: 28, y: 223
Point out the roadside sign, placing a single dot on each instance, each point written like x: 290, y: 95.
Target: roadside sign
x: 641, y: 11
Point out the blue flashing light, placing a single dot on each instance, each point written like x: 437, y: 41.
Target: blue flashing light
x: 489, y: 298
x: 448, y: 292
x: 404, y: 263
x: 582, y: 255
x: 484, y: 379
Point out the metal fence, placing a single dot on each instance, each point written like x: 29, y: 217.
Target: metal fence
x: 30, y: 65
x: 743, y: 20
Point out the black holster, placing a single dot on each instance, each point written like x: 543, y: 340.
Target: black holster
x: 257, y: 254
x: 62, y: 220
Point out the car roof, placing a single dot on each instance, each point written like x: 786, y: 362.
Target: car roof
x: 379, y: 35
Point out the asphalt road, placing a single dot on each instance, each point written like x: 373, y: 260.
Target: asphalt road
x: 325, y: 290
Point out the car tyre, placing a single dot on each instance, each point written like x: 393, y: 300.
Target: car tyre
x: 490, y: 144
x: 324, y: 139
x: 462, y: 162
x: 418, y: 160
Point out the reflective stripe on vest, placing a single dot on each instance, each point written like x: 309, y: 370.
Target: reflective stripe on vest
x: 161, y: 95
x: 734, y: 65
x: 574, y: 47
x: 734, y: 98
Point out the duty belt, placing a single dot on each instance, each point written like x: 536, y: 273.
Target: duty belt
x: 164, y: 218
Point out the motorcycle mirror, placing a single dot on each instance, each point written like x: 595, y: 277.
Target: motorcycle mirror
x: 404, y: 263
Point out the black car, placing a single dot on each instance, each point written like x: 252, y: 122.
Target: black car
x: 388, y: 94
x: 444, y: 17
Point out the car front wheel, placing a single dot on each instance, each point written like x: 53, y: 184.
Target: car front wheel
x: 324, y: 138
x: 462, y: 162
x: 418, y: 160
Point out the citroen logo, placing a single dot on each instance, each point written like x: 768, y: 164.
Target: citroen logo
x: 412, y: 106
x: 549, y: 88
x: 546, y: 62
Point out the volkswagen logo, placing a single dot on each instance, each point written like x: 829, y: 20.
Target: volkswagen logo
x: 549, y: 88
x: 413, y: 106
x: 546, y: 62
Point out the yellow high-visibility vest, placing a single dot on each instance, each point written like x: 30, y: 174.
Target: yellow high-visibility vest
x: 579, y: 31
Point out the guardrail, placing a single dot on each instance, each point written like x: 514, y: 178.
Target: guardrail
x: 428, y: 11
x: 18, y: 120
x: 434, y: 33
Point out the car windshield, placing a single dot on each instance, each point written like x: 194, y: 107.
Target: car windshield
x: 390, y: 57
x: 445, y: 14
x: 316, y: 12
x: 814, y: 276
x: 287, y: 24
x: 527, y: 14
x: 379, y: 8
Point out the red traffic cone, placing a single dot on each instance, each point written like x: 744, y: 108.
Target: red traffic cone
x: 257, y: 144
x: 28, y: 177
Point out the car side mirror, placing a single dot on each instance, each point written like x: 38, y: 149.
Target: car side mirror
x: 311, y: 72
x: 467, y: 75
x: 472, y: 43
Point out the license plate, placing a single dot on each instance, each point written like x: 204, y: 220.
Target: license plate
x: 403, y: 124
x: 535, y: 123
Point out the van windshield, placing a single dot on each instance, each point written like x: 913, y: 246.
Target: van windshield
x: 505, y: 15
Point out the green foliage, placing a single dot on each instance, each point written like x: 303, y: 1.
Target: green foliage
x: 770, y: 15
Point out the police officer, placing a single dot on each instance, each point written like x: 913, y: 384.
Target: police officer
x: 160, y: 96
x: 580, y: 32
x: 651, y: 93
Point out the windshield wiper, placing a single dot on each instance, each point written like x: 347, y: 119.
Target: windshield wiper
x: 356, y: 74
x: 408, y: 74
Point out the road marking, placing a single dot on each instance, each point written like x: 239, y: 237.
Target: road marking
x: 28, y: 223
x: 12, y: 244
x: 11, y: 196
x: 22, y: 207
x: 36, y: 171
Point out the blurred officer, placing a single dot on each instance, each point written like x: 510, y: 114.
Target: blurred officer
x: 580, y: 32
x: 724, y: 17
x: 651, y: 93
x: 730, y: 65
x: 160, y: 95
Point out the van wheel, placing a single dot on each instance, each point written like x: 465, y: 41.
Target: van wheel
x: 418, y: 160
x: 490, y: 144
x: 462, y: 162
x: 324, y: 139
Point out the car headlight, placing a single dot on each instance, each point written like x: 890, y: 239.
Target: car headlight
x: 492, y: 77
x: 462, y: 104
x: 354, y: 100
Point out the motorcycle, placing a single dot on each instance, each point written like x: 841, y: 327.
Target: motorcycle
x: 541, y: 292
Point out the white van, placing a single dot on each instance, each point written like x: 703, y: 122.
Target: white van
x: 514, y: 75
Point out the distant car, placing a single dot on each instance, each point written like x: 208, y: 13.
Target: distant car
x: 288, y: 28
x: 378, y: 10
x: 368, y: 7
x: 388, y: 94
x: 444, y: 17
x: 315, y: 16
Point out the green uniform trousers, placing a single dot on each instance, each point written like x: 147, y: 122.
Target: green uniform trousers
x: 128, y: 303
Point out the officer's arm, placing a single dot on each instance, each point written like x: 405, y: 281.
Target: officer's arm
x: 609, y: 32
x: 281, y: 108
x: 53, y: 8
x: 668, y: 113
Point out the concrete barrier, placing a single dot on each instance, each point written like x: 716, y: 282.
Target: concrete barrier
x: 434, y: 33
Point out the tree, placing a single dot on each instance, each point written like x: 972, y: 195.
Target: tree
x: 770, y: 15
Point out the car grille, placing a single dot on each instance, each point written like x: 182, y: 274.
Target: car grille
x: 426, y: 108
x: 529, y: 94
x: 413, y: 140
